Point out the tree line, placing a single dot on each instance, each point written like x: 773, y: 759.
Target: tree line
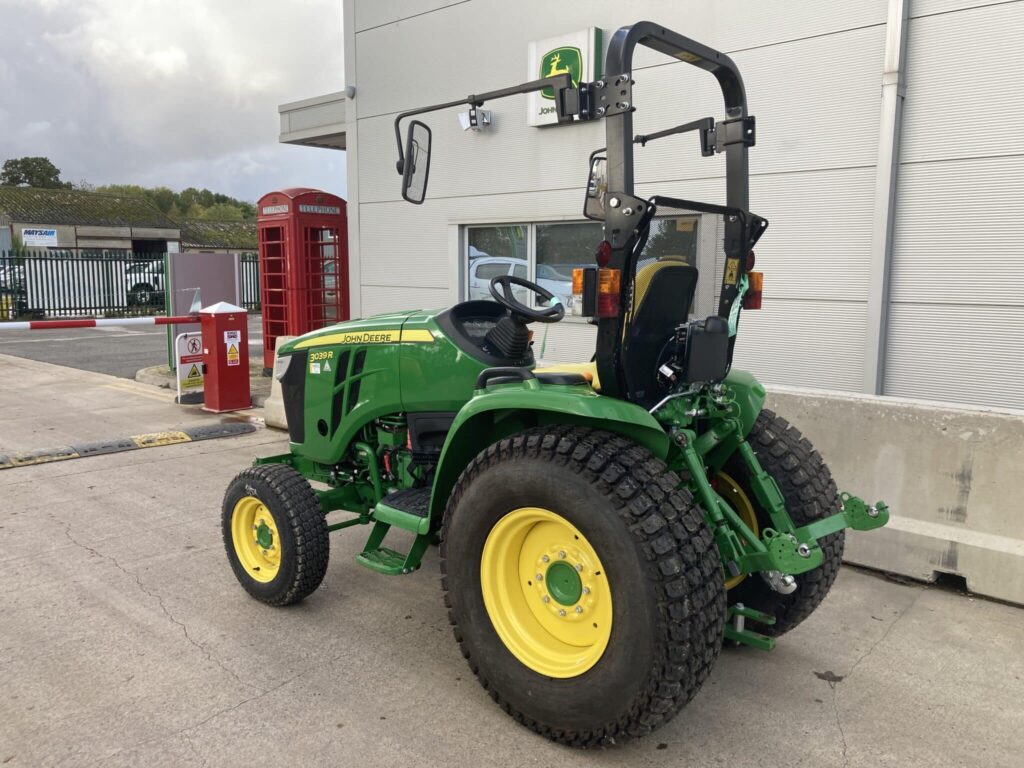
x: 190, y: 203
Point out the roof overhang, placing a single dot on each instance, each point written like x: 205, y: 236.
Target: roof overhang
x: 315, y: 122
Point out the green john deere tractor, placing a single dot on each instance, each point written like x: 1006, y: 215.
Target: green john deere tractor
x: 604, y: 526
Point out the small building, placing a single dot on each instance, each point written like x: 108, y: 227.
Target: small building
x: 84, y: 222
x: 202, y: 236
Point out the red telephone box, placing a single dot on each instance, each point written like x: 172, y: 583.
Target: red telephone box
x: 303, y: 247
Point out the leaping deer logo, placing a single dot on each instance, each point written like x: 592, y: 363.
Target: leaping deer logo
x: 554, y: 69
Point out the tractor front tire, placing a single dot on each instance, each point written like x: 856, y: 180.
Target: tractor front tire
x: 583, y: 585
x: 810, y: 494
x: 275, y: 534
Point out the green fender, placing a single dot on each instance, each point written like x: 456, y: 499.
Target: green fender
x: 503, y: 410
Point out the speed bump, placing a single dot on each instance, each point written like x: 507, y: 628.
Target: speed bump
x: 119, y: 444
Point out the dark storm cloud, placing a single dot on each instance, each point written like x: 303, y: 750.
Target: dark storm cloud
x: 174, y: 92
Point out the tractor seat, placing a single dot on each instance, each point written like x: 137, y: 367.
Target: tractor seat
x: 587, y: 370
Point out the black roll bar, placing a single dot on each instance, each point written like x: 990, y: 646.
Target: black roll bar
x: 733, y: 136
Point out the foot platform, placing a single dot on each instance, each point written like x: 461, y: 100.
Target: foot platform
x: 409, y: 510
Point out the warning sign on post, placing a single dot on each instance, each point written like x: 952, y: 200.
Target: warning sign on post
x: 233, y: 340
x: 188, y: 349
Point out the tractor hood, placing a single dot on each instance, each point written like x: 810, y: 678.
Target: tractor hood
x: 377, y: 329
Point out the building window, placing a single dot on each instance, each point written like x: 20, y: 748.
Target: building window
x: 560, y: 249
x: 495, y: 251
x: 547, y: 253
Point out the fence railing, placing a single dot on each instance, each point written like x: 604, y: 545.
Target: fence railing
x: 109, y: 284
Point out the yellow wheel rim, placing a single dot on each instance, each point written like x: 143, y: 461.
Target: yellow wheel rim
x: 736, y: 498
x: 546, y: 592
x: 254, y: 535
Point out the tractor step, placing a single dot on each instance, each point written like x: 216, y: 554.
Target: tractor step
x: 377, y: 557
x: 383, y: 560
x: 408, y: 509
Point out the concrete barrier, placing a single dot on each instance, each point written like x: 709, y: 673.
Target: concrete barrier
x: 953, y: 477
x: 273, y: 407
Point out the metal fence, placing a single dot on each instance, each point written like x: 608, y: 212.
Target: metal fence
x: 109, y: 284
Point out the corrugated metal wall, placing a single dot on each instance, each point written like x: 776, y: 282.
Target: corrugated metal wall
x: 956, y: 323
x: 813, y: 74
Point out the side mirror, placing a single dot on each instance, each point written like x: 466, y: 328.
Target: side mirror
x: 417, y: 162
x: 597, y: 186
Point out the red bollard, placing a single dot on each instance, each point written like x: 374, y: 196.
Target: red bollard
x: 225, y: 358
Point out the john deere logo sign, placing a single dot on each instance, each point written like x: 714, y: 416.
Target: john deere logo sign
x: 577, y: 54
x: 561, y: 61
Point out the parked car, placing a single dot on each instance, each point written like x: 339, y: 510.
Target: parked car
x: 483, y: 267
x: 145, y: 283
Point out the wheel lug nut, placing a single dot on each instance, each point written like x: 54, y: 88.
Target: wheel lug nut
x: 586, y: 590
x: 561, y: 611
x: 561, y: 555
x: 579, y: 609
x: 579, y: 567
x: 264, y: 552
x: 546, y: 559
x: 546, y: 599
x: 540, y: 577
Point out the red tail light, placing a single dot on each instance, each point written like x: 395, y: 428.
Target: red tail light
x: 752, y: 298
x: 609, y: 286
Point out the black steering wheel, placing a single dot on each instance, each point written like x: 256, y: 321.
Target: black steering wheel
x: 521, y: 312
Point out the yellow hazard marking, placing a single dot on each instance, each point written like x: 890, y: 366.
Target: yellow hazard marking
x: 155, y: 439
x: 732, y: 270
x: 388, y: 336
x: 28, y: 459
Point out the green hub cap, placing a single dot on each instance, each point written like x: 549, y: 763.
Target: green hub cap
x: 264, y: 536
x: 564, y: 583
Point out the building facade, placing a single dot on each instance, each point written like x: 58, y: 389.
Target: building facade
x: 83, y: 222
x: 893, y: 261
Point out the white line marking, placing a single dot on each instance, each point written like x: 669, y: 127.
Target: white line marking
x: 78, y: 338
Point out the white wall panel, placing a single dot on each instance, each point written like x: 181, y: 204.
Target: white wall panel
x: 964, y: 84
x: 959, y: 235
x: 476, y: 46
x: 375, y: 13
x: 957, y: 354
x: 817, y: 344
x: 932, y: 7
x: 380, y: 298
x: 804, y: 122
x: 956, y: 321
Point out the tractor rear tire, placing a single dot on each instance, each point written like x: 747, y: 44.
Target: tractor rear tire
x: 650, y: 600
x: 810, y: 494
x: 275, y: 534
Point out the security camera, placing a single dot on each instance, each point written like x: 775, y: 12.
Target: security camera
x: 475, y: 119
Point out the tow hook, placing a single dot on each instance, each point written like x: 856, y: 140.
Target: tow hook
x: 783, y: 583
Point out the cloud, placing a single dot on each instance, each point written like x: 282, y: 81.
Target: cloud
x: 118, y: 90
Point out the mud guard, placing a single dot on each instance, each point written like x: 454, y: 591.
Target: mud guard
x: 496, y: 413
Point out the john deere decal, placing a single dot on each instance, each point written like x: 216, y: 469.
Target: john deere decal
x: 577, y: 54
x: 561, y: 61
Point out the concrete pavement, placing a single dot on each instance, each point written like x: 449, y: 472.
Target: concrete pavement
x: 125, y: 640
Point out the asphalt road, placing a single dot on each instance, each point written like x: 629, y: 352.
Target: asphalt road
x: 115, y: 351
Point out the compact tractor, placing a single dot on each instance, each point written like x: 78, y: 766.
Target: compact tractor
x: 604, y: 526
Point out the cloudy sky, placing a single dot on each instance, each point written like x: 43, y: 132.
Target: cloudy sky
x: 169, y: 92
